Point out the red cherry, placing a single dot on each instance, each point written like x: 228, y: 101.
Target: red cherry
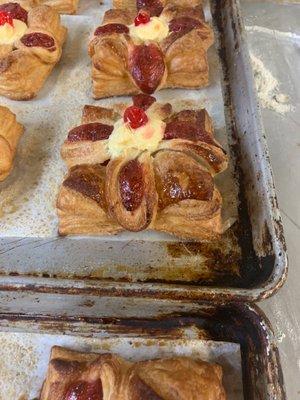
x: 143, y: 17
x: 5, y: 18
x: 135, y: 116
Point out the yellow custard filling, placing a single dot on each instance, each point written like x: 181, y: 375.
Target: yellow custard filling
x: 156, y: 30
x: 146, y: 137
x: 10, y: 34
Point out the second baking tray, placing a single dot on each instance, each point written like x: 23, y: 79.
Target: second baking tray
x: 238, y: 337
x: 249, y: 266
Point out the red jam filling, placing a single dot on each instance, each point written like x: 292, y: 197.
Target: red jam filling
x: 38, y: 39
x: 142, y: 18
x: 15, y: 11
x: 131, y: 184
x: 109, y: 29
x: 135, y: 116
x: 6, y: 18
x: 85, y: 391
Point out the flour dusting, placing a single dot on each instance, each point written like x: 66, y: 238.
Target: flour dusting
x: 268, y: 88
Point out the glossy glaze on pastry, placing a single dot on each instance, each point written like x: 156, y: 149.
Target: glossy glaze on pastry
x: 10, y: 133
x: 30, y: 45
x: 142, y: 167
x: 133, y: 53
x: 90, y: 376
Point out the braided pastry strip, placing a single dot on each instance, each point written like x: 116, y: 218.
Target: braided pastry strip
x: 120, y: 66
x: 85, y: 376
x: 10, y: 133
x: 26, y: 63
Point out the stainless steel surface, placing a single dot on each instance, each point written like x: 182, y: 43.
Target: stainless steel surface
x: 242, y: 324
x: 273, y: 33
x: 186, y: 271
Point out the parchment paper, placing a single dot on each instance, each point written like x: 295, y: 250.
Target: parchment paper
x: 28, y: 196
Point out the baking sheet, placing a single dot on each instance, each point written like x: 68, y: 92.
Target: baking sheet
x: 24, y: 357
x: 28, y: 196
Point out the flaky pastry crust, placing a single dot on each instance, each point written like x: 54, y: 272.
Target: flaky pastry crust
x: 170, y: 189
x: 10, y: 133
x: 61, y: 6
x: 154, y: 6
x: 73, y: 375
x: 26, y: 63
x: 120, y: 66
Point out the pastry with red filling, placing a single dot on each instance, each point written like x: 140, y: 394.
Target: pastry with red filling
x: 91, y: 376
x: 31, y: 41
x: 10, y: 133
x: 155, y: 7
x: 141, y: 53
x: 142, y: 167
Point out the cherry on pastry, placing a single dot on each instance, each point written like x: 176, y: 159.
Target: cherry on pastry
x: 6, y: 18
x: 135, y: 116
x: 143, y: 17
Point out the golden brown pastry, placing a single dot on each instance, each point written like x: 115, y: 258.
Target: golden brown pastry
x: 10, y: 133
x: 62, y: 6
x: 155, y: 7
x: 141, y: 53
x: 31, y: 43
x: 90, y: 376
x: 142, y: 167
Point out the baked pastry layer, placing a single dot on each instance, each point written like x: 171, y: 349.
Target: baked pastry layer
x: 62, y: 6
x: 81, y: 376
x: 157, y: 175
x: 10, y: 133
x: 154, y: 6
x: 169, y: 51
x: 29, y: 49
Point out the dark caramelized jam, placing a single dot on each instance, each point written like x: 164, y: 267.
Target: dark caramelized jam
x: 131, y: 184
x: 108, y: 29
x: 93, y: 131
x: 38, y: 39
x: 83, y: 390
x: 15, y: 11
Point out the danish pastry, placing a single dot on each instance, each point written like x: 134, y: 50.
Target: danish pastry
x: 142, y: 53
x: 81, y: 376
x: 142, y: 167
x: 30, y: 45
x: 10, y: 133
x: 155, y: 7
x: 62, y: 6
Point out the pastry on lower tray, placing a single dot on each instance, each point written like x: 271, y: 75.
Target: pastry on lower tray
x: 31, y: 41
x: 10, y: 133
x: 155, y: 7
x: 133, y: 53
x: 142, y: 167
x: 81, y: 376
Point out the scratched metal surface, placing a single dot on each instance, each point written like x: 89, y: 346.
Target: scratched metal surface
x: 273, y: 32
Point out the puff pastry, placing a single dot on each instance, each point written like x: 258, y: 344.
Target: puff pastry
x: 31, y: 41
x: 10, y: 133
x: 155, y: 7
x: 133, y: 54
x: 142, y: 167
x: 62, y: 6
x: 86, y: 376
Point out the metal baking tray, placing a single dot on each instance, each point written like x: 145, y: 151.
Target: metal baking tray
x: 251, y: 370
x: 253, y: 269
